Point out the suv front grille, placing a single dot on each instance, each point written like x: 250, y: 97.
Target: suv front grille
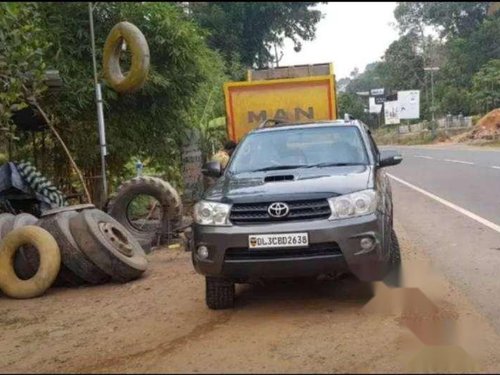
x: 255, y: 213
x: 320, y: 249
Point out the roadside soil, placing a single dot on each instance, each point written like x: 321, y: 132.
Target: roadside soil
x: 160, y: 324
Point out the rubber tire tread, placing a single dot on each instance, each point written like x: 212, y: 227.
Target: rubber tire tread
x: 85, y: 230
x: 50, y: 262
x: 167, y: 196
x: 80, y: 268
x: 219, y: 293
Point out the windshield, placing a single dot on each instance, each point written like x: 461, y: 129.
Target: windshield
x: 300, y: 148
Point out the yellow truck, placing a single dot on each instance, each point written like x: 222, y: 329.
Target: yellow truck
x: 294, y: 93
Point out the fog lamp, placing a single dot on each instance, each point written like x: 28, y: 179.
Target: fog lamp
x: 366, y: 243
x: 202, y: 252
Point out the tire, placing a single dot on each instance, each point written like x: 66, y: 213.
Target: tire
x: 394, y: 276
x: 6, y: 223
x: 79, y: 269
x: 162, y: 191
x: 22, y: 264
x: 108, y: 245
x: 77, y: 207
x: 395, y: 250
x: 139, y: 68
x: 50, y: 262
x: 219, y: 293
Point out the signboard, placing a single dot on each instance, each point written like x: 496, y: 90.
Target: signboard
x: 409, y: 104
x: 391, y: 112
x: 379, y: 99
x: 374, y: 106
x: 377, y: 92
x: 191, y: 166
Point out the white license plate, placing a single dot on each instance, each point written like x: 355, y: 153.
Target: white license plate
x: 256, y: 241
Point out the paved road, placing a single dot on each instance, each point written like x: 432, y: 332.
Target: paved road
x: 448, y: 200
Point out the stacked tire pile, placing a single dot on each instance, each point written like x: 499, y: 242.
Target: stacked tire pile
x: 67, y: 246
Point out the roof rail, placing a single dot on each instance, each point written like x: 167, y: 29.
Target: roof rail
x: 272, y: 121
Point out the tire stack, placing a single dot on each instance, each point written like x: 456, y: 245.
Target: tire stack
x: 94, y: 248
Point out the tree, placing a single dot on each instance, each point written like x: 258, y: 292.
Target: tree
x: 247, y: 31
x: 148, y: 124
x: 486, y: 87
x: 22, y: 44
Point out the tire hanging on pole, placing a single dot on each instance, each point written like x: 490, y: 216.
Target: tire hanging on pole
x: 133, y: 80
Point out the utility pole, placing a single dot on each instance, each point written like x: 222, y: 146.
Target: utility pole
x: 432, y: 70
x: 100, y: 113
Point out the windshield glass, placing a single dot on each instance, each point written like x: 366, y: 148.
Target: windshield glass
x: 300, y: 148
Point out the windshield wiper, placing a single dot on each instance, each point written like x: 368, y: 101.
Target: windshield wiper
x: 278, y: 167
x: 329, y: 164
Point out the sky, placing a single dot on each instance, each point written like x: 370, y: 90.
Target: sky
x: 350, y: 35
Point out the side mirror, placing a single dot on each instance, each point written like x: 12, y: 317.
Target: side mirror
x: 389, y: 157
x: 212, y: 169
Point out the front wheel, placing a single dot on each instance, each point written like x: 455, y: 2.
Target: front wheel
x: 394, y: 276
x: 219, y: 293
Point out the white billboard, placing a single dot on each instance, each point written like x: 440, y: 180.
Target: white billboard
x: 409, y: 104
x: 374, y: 108
x: 391, y: 112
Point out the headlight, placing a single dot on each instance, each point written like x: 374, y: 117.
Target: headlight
x: 211, y: 213
x: 355, y: 204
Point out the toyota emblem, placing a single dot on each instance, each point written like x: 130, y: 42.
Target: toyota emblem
x: 278, y: 209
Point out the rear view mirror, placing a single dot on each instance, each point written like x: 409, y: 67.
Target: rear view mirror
x: 212, y: 169
x: 389, y: 157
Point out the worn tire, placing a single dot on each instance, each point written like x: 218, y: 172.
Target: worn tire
x: 79, y: 268
x: 162, y: 191
x: 22, y: 264
x: 106, y: 243
x: 219, y: 293
x: 76, y: 207
x: 50, y: 262
x: 139, y: 67
x: 6, y: 223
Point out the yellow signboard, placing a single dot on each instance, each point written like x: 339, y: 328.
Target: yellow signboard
x: 296, y: 99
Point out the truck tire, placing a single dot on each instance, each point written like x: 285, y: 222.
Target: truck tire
x: 108, y: 245
x: 219, y: 293
x: 139, y: 68
x: 79, y: 268
x: 162, y: 191
x: 50, y: 262
x: 76, y: 207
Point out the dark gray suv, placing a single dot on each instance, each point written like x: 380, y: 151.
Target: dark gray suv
x: 296, y: 200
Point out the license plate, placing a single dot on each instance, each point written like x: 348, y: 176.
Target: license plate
x: 256, y: 241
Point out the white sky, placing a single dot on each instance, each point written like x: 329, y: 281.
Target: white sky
x: 350, y: 35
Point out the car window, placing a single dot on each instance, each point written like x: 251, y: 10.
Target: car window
x: 300, y: 147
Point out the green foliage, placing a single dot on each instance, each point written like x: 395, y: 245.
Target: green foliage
x: 247, y: 31
x: 22, y: 45
x: 486, y: 86
x: 470, y: 41
x: 149, y: 124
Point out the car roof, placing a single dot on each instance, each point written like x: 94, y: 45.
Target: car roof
x: 312, y: 124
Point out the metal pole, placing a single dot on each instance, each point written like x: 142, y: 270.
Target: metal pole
x: 100, y: 114
x: 432, y: 92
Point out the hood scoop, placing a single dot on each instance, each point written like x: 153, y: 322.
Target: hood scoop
x: 278, y: 178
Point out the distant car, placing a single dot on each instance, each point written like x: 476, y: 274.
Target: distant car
x: 296, y: 200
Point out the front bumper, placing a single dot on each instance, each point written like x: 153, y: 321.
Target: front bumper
x: 366, y: 265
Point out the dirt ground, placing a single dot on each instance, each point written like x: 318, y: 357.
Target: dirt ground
x: 160, y: 324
